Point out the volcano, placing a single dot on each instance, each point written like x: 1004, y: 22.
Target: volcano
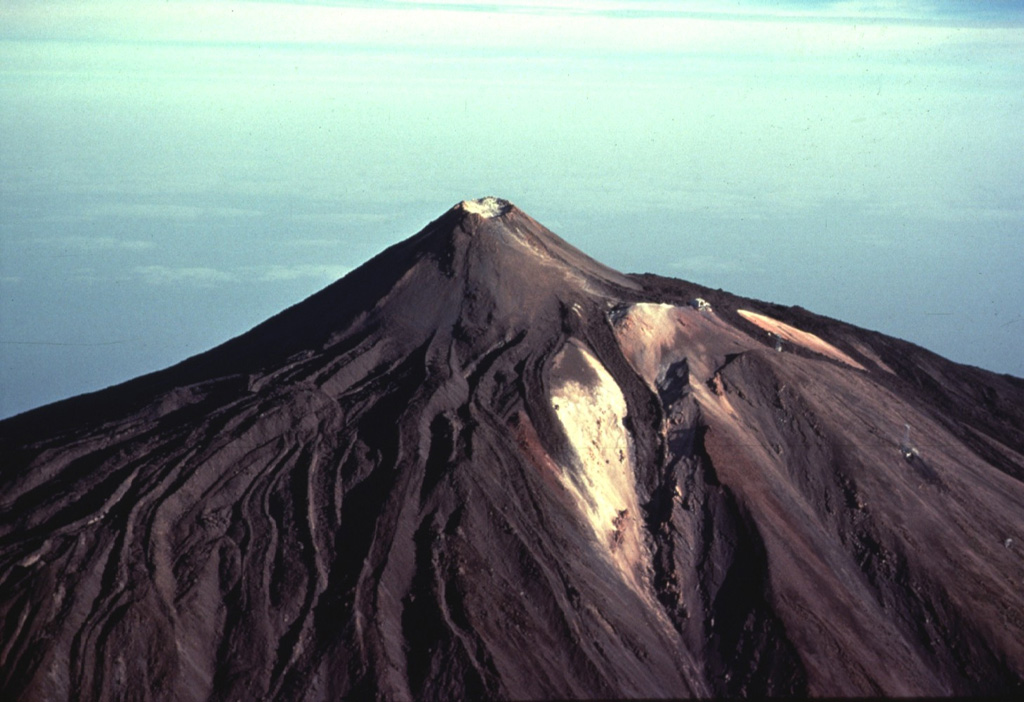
x: 484, y: 465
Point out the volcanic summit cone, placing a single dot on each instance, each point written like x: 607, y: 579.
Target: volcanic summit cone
x: 484, y: 465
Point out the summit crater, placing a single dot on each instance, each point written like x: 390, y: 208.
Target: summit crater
x: 487, y: 207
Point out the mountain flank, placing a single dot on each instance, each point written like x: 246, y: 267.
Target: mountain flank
x: 484, y: 465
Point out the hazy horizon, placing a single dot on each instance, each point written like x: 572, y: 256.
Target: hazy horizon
x: 176, y: 172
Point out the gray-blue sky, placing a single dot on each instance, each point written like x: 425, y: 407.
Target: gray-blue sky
x: 175, y: 172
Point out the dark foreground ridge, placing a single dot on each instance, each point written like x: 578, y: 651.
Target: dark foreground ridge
x: 484, y: 465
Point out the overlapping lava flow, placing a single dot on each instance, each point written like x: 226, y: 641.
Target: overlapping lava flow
x: 485, y: 465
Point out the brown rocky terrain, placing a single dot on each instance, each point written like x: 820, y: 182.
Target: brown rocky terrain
x: 484, y: 465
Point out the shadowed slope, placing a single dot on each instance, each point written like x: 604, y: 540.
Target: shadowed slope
x: 484, y: 465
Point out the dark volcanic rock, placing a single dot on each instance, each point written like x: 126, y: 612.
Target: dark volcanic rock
x: 485, y: 466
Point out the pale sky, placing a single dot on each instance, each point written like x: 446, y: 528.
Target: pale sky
x: 173, y: 173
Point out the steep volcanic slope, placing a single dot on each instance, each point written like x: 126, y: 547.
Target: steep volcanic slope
x: 484, y: 465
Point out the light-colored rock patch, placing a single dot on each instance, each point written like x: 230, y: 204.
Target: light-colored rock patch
x: 799, y: 337
x: 600, y: 479
x: 645, y: 332
x: 653, y: 336
x: 485, y: 207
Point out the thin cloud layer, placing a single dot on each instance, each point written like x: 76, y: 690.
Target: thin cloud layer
x: 96, y: 243
x: 205, y: 276
x: 188, y: 275
x: 606, y: 26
